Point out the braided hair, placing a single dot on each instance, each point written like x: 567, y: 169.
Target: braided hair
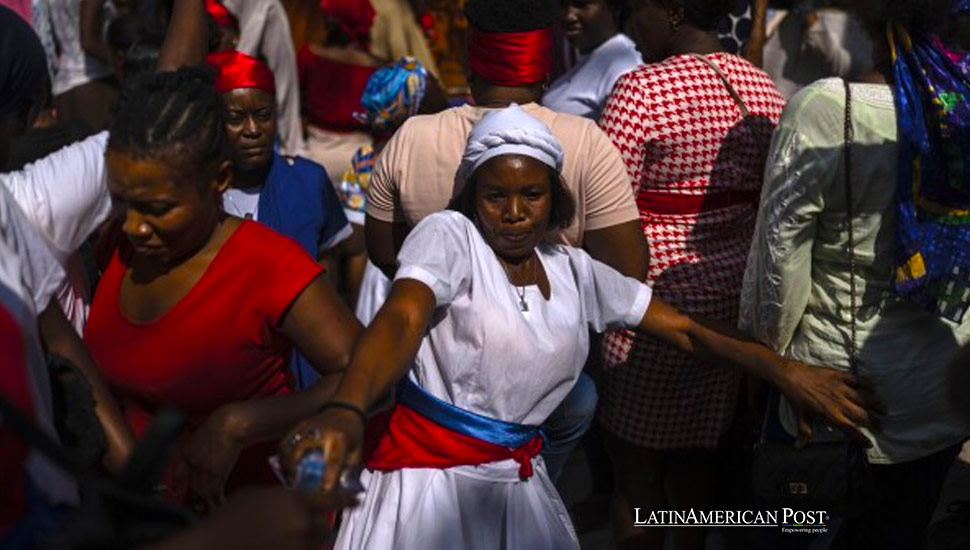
x: 177, y: 114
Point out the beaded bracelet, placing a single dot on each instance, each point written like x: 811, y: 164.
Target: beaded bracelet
x: 345, y: 406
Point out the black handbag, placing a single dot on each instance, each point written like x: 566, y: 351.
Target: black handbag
x: 822, y: 475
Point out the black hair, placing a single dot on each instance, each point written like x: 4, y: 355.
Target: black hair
x: 621, y: 12
x: 511, y: 15
x: 174, y: 114
x: 561, y: 214
x: 142, y: 57
x: 914, y: 15
x: 703, y: 14
x: 123, y: 32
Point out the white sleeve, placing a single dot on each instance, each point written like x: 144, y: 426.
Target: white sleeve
x: 437, y: 254
x: 610, y: 300
x: 28, y: 258
x: 64, y: 194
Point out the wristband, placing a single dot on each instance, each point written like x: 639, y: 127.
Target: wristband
x: 345, y: 406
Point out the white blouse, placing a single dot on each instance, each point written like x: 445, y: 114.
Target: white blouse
x: 482, y: 352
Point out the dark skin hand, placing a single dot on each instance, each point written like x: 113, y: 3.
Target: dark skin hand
x: 513, y: 198
x: 176, y: 226
x: 60, y: 338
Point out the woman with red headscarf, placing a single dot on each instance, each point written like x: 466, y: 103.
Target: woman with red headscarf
x: 333, y: 75
x: 291, y: 195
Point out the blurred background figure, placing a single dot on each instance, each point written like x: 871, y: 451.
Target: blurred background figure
x: 333, y: 75
x: 593, y: 27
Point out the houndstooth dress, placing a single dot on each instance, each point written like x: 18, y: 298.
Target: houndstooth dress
x: 696, y: 163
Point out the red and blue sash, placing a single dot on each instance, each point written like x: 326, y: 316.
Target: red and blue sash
x: 423, y: 431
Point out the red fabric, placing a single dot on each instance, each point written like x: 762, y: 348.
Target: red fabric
x: 409, y: 440
x: 355, y: 17
x: 220, y: 14
x: 331, y: 90
x: 510, y: 58
x: 679, y: 132
x: 15, y: 387
x: 674, y: 204
x: 219, y: 344
x: 238, y: 70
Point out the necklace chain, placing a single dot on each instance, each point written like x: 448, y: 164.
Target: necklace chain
x: 520, y: 289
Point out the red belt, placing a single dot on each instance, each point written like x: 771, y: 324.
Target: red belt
x: 676, y: 204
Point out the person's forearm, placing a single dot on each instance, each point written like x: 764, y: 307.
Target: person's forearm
x: 270, y: 418
x: 712, y: 341
x: 186, y: 39
x: 61, y: 339
x: 90, y: 30
x: 755, y: 48
x: 383, y: 356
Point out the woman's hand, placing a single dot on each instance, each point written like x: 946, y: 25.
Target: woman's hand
x: 337, y: 433
x: 210, y: 456
x: 845, y: 401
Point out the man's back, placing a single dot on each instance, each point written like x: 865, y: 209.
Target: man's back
x: 415, y: 173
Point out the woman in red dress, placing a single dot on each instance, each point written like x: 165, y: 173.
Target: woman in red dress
x: 333, y: 75
x: 693, y: 125
x: 201, y: 310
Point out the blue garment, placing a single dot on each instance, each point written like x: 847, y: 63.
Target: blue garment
x: 298, y: 201
x: 567, y: 425
x: 492, y: 430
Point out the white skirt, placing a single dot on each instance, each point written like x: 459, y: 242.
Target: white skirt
x: 482, y: 507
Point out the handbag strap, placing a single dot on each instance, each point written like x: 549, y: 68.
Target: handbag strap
x: 727, y: 83
x: 850, y: 214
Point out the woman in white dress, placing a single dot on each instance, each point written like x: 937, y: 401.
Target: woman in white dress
x: 484, y: 333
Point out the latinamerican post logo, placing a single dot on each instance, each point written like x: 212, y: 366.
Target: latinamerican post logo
x: 788, y: 520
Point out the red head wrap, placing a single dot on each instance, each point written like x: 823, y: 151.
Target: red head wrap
x: 355, y: 17
x: 510, y: 58
x: 238, y: 70
x: 220, y: 14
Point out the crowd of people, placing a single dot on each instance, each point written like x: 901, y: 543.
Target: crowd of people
x: 270, y: 276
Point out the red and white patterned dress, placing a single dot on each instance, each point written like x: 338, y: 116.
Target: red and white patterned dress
x: 697, y: 166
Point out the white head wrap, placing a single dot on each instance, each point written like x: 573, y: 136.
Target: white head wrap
x: 510, y: 131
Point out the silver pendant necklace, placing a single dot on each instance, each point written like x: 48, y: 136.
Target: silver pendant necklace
x: 520, y: 290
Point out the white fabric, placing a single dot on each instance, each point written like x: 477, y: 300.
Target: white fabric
x: 374, y: 288
x: 264, y: 32
x: 240, y: 202
x: 509, y: 131
x: 65, y: 196
x: 483, y: 354
x: 584, y: 89
x: 29, y: 278
x: 74, y: 67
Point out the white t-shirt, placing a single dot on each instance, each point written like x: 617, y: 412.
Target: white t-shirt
x: 483, y: 353
x: 242, y: 203
x: 584, y: 89
x: 65, y: 197
x: 29, y: 278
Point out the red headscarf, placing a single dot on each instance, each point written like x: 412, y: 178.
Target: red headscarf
x: 355, y: 17
x: 510, y: 58
x: 220, y: 14
x: 238, y: 70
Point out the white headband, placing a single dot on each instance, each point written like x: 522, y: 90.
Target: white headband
x: 510, y: 131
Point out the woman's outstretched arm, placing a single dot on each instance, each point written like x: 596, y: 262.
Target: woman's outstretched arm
x: 840, y: 398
